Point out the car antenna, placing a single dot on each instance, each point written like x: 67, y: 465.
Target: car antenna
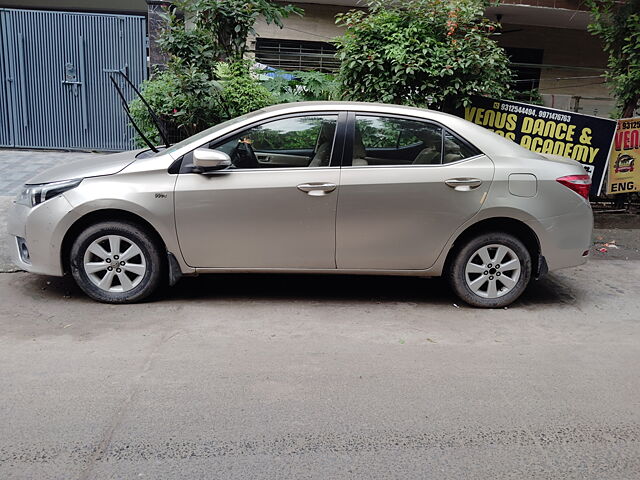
x: 128, y: 112
x: 154, y: 117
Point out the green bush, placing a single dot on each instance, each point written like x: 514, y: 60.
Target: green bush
x: 218, y: 30
x: 207, y: 79
x: 428, y: 53
x: 187, y: 101
x: 304, y: 86
x: 241, y: 91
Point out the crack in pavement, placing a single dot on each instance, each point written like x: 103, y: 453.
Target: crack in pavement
x: 98, y: 453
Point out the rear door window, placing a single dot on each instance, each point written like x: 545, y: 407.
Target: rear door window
x: 456, y: 149
x: 382, y: 140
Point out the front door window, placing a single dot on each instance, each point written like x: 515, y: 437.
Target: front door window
x: 305, y: 141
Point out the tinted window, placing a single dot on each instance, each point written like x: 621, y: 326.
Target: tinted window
x: 290, y: 142
x: 378, y: 132
x: 455, y: 149
x: 380, y: 140
x: 299, y: 133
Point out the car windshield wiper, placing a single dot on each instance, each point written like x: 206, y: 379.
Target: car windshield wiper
x: 154, y: 117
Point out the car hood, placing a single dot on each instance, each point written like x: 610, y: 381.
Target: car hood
x: 90, y: 167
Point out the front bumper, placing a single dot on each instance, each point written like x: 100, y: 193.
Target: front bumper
x: 43, y: 228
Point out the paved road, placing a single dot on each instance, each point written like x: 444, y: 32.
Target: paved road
x: 322, y: 377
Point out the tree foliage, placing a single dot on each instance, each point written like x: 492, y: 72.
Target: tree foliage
x: 431, y: 53
x: 205, y: 31
x: 207, y: 79
x: 618, y: 26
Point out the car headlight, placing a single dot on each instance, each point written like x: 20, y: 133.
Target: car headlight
x: 32, y: 195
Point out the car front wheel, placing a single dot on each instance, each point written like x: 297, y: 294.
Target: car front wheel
x: 491, y: 270
x: 117, y: 262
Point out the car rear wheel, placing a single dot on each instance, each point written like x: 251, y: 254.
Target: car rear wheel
x: 117, y: 262
x: 491, y: 270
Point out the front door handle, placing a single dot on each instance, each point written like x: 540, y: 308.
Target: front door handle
x: 463, y: 184
x: 317, y: 189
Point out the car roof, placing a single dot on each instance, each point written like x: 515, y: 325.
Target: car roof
x: 359, y: 106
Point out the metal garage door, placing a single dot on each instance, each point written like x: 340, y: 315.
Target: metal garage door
x: 56, y: 67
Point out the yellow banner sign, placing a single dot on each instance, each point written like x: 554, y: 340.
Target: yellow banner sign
x: 624, y: 161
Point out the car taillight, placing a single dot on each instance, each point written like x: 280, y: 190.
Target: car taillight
x: 581, y: 184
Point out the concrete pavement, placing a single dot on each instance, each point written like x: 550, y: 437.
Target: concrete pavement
x: 322, y: 377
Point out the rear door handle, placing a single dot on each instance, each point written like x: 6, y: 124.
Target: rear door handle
x: 317, y: 189
x: 463, y: 184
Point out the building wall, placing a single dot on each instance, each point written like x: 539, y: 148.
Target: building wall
x: 565, y: 48
x: 566, y: 4
x: 317, y: 24
x: 573, y: 65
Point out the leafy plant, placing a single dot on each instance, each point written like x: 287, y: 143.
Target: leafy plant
x: 618, y: 26
x: 422, y: 53
x: 240, y: 90
x: 160, y: 93
x: 217, y: 30
x: 302, y: 86
x: 317, y: 85
x: 188, y: 101
x: 207, y: 79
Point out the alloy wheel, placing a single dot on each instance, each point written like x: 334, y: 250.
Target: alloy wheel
x: 492, y: 271
x: 114, y: 263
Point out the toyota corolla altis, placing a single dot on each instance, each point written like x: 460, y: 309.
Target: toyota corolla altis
x: 322, y: 187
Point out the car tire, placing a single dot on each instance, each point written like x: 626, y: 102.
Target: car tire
x: 117, y: 262
x: 480, y: 280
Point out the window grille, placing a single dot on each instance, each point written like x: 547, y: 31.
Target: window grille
x: 296, y: 55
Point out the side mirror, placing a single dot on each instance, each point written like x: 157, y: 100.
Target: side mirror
x: 206, y: 159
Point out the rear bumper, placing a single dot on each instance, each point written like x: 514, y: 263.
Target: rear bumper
x: 564, y: 239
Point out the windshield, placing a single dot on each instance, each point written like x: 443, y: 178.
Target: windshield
x: 206, y: 133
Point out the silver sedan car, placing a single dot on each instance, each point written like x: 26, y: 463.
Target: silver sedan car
x: 322, y: 187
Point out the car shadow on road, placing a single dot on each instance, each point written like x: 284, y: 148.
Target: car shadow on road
x: 348, y: 288
x: 312, y: 288
x: 550, y: 291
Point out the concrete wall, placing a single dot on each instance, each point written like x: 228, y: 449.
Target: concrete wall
x: 567, y: 48
x: 317, y: 24
x: 563, y: 47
